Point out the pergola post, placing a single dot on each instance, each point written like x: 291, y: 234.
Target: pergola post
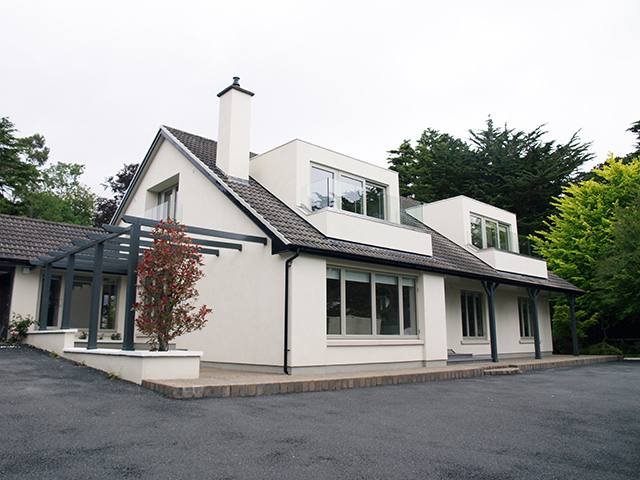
x: 96, y: 297
x: 533, y: 295
x: 574, y: 327
x: 68, y: 290
x: 46, y: 294
x: 132, y: 278
x: 490, y: 288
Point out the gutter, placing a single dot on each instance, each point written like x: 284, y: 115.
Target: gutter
x: 286, y: 311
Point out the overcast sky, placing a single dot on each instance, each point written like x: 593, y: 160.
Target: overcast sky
x: 97, y: 79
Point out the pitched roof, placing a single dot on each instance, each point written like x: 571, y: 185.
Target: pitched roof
x: 23, y: 239
x: 277, y: 218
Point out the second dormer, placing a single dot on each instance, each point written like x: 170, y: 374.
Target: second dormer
x: 490, y: 233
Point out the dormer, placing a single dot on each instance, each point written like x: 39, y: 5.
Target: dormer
x: 343, y: 197
x: 490, y: 233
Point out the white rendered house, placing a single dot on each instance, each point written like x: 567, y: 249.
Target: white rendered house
x: 352, y: 276
x: 340, y: 272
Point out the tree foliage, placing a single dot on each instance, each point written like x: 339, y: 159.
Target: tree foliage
x: 167, y: 274
x: 618, y: 271
x: 588, y: 231
x: 510, y: 169
x: 28, y: 188
x: 19, y: 162
x: 60, y: 197
x: 118, y: 183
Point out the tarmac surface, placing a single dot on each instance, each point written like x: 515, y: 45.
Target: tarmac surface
x: 59, y: 420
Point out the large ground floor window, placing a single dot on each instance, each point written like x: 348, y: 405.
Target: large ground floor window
x: 472, y: 315
x: 81, y: 303
x: 369, y: 303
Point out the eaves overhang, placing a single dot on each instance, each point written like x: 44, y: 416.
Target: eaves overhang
x: 525, y: 282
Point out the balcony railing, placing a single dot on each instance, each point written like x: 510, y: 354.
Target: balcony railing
x: 371, y: 201
x: 163, y: 211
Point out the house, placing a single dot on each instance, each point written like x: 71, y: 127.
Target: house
x: 338, y: 271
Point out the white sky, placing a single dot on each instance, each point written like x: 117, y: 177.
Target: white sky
x: 97, y: 79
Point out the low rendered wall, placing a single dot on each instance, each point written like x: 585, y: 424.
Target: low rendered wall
x: 136, y: 366
x: 52, y: 340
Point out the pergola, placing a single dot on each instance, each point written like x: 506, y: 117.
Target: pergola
x: 118, y: 252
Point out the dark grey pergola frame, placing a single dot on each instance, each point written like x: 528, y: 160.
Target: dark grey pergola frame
x: 118, y: 253
x: 491, y: 287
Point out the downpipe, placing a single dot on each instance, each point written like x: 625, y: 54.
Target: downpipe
x: 286, y: 311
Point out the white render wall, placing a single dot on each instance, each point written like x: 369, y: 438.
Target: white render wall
x: 507, y: 320
x: 312, y: 350
x: 25, y: 297
x: 245, y: 289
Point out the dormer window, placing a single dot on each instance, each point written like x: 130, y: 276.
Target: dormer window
x: 331, y: 188
x: 487, y: 233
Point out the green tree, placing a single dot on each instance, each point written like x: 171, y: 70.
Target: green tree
x: 582, y: 233
x: 510, y: 169
x: 60, y: 197
x: 618, y: 272
x: 19, y: 162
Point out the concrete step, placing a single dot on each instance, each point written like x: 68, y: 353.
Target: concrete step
x: 502, y: 370
x: 459, y: 361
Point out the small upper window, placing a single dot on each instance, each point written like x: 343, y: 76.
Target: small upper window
x: 168, y: 203
x: 486, y: 233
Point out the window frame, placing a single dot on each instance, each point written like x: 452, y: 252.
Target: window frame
x: 336, y: 194
x: 107, y: 280
x: 500, y: 227
x: 464, y: 313
x: 401, y: 280
x: 527, y: 322
x: 172, y: 207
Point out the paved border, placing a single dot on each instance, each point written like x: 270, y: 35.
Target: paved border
x: 219, y: 383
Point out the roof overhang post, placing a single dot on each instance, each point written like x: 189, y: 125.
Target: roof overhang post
x: 132, y: 278
x: 68, y: 290
x: 96, y: 294
x: 571, y: 297
x: 46, y: 295
x: 490, y: 288
x: 533, y: 295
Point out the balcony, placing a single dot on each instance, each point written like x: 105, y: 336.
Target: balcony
x: 164, y: 211
x: 371, y: 217
x: 513, y: 262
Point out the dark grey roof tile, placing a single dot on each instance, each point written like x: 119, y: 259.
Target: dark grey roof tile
x: 23, y: 239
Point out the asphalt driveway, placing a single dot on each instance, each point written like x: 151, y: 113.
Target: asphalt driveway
x: 59, y: 420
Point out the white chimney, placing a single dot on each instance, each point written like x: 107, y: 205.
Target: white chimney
x: 233, y: 131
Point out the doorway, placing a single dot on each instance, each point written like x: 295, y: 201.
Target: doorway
x: 6, y: 283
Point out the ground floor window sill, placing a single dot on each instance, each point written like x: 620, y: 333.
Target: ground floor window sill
x: 474, y: 341
x: 369, y: 342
